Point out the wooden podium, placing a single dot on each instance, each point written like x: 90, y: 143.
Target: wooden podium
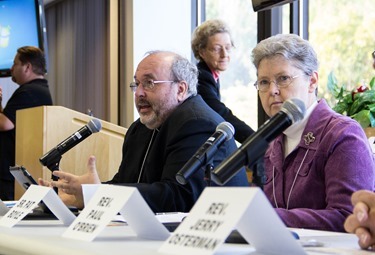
x: 40, y: 129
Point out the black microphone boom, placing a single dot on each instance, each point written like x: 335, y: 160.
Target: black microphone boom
x: 52, y: 158
x: 224, y: 132
x: 255, y: 146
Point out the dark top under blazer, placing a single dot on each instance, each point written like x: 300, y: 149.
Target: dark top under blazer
x: 180, y: 136
x: 210, y: 92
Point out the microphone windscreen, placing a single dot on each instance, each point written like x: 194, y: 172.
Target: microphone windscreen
x: 226, y: 128
x: 94, y: 125
x: 295, y: 108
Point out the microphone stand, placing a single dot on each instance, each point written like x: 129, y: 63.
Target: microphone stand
x: 207, y: 173
x: 259, y: 175
x: 52, y: 161
x: 54, y: 166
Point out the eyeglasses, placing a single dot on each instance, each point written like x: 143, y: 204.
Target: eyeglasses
x: 147, y: 85
x: 281, y: 81
x: 218, y: 49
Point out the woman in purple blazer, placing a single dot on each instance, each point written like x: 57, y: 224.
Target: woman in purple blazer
x: 315, y: 165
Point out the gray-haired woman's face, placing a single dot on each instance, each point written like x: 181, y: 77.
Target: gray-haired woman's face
x: 217, y: 53
x: 300, y: 85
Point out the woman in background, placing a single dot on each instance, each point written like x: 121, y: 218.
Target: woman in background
x: 212, y: 44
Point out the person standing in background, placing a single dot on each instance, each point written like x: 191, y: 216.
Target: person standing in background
x: 212, y: 44
x: 28, y: 70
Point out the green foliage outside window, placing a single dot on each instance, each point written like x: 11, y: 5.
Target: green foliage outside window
x: 342, y: 33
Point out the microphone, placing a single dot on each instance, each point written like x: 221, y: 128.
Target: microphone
x: 52, y: 158
x: 224, y: 132
x: 292, y: 111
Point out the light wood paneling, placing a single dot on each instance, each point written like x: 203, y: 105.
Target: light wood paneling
x: 41, y: 128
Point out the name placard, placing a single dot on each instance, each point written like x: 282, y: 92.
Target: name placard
x: 3, y: 208
x: 218, y: 211
x: 88, y: 191
x: 32, y: 197
x: 105, y: 204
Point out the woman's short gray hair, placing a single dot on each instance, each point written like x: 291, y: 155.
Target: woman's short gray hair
x: 292, y: 47
x: 204, y: 31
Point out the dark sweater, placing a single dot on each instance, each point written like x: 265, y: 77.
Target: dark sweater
x: 210, y: 92
x: 180, y: 136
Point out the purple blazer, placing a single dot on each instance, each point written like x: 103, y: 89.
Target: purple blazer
x: 335, y: 160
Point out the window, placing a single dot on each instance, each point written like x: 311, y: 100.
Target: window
x: 344, y: 40
x: 237, y: 90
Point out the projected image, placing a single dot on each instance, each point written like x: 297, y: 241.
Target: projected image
x: 18, y: 27
x: 4, y: 36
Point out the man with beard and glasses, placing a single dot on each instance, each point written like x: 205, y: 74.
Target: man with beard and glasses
x: 174, y: 122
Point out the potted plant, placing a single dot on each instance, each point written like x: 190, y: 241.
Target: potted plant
x: 358, y: 103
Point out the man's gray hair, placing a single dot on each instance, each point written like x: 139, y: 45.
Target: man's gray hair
x: 182, y: 70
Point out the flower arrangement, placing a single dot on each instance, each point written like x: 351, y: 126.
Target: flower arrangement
x: 358, y: 103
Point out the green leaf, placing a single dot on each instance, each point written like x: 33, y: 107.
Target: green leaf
x: 348, y: 98
x: 361, y: 101
x: 341, y: 107
x: 372, y: 83
x: 332, y: 85
x: 367, y: 96
x: 371, y: 107
x: 363, y: 118
x: 372, y: 119
x: 340, y: 94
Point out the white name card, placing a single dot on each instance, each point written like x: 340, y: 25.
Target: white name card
x: 218, y: 211
x: 88, y: 191
x: 32, y: 197
x: 3, y: 208
x: 105, y: 204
